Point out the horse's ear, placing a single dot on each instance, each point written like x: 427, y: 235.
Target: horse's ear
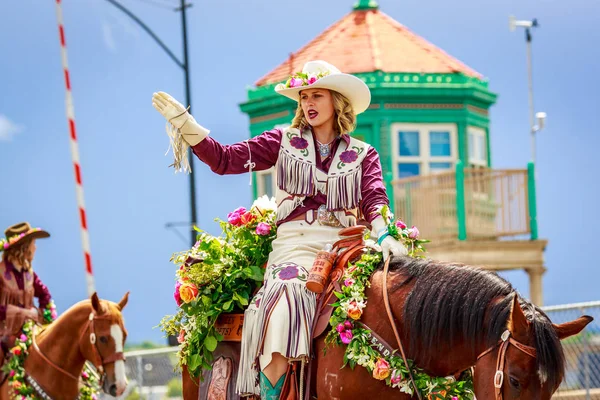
x: 572, y: 327
x: 96, y: 303
x: 518, y: 322
x: 123, y: 301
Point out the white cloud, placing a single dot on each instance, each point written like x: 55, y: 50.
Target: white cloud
x: 8, y: 128
x: 107, y: 36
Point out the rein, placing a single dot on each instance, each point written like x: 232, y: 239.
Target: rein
x: 386, y: 301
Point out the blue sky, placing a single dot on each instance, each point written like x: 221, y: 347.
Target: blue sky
x: 131, y: 194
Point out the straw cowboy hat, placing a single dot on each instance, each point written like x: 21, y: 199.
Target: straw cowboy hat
x: 20, y: 231
x: 321, y: 74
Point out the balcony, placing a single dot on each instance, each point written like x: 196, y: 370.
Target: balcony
x: 477, y: 216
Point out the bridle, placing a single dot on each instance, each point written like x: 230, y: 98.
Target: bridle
x: 99, y: 362
x: 505, y: 341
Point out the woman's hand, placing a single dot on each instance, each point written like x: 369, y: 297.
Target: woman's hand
x: 33, y: 313
x: 176, y: 114
x: 388, y: 244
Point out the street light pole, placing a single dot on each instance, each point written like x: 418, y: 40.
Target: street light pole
x: 186, y: 70
x: 530, y: 79
x: 533, y: 127
x: 188, y: 100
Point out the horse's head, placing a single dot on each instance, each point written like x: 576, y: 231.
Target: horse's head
x: 528, y: 361
x: 102, y: 342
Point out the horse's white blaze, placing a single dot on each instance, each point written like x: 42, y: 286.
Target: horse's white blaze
x: 121, y: 379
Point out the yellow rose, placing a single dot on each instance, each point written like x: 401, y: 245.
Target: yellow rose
x: 381, y: 370
x: 354, y: 311
x: 188, y: 292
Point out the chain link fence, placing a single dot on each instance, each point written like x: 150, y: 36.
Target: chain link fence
x: 152, y: 375
x: 582, y: 352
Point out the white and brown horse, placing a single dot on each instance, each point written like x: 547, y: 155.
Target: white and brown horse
x: 91, y: 330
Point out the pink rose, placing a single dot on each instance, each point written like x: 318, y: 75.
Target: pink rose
x: 340, y: 328
x: 346, y: 337
x: 53, y: 314
x: 400, y: 225
x: 6, y: 245
x: 176, y: 294
x: 381, y: 370
x: 312, y: 79
x: 12, y: 373
x: 349, y: 282
x: 263, y: 229
x: 295, y: 82
x: 234, y: 219
x: 181, y: 337
x: 396, y: 377
x: 354, y: 311
x: 85, y: 375
x: 23, y: 338
x: 414, y: 233
x: 348, y: 324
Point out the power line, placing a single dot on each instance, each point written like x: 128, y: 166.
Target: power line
x: 168, y: 5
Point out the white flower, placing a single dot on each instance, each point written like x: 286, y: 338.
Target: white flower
x: 431, y: 386
x: 263, y: 204
x: 406, y: 387
x: 363, y: 359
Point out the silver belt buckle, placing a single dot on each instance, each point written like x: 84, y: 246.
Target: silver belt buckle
x: 326, y: 217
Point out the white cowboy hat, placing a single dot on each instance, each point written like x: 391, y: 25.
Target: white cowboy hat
x: 321, y: 74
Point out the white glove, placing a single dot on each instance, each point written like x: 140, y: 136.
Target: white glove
x: 388, y: 244
x: 176, y: 114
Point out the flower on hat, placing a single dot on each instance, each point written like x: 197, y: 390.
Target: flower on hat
x: 301, y: 79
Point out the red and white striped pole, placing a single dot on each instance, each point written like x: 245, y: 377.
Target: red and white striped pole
x: 85, y: 239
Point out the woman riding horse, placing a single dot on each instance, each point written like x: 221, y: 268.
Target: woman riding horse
x: 326, y: 180
x: 19, y: 284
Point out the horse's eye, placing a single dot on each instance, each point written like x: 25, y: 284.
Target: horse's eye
x: 514, y: 383
x: 103, y: 339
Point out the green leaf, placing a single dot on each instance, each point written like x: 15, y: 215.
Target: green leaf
x: 194, y: 361
x: 227, y: 306
x: 210, y: 343
x: 258, y: 274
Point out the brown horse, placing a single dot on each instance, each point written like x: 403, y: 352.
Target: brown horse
x: 450, y: 317
x: 91, y: 330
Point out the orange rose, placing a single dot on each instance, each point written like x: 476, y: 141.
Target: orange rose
x: 432, y: 395
x: 354, y: 311
x: 247, y: 217
x: 188, y: 292
x: 381, y: 370
x: 16, y: 384
x: 16, y: 351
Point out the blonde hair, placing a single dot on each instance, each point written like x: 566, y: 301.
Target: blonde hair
x: 20, y: 254
x: 345, y: 117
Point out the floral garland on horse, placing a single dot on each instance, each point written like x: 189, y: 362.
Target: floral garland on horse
x: 220, y: 274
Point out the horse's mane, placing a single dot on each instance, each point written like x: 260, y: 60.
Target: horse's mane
x: 453, y: 303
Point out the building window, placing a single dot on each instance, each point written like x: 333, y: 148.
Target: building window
x: 477, y: 147
x: 266, y: 182
x: 422, y: 149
